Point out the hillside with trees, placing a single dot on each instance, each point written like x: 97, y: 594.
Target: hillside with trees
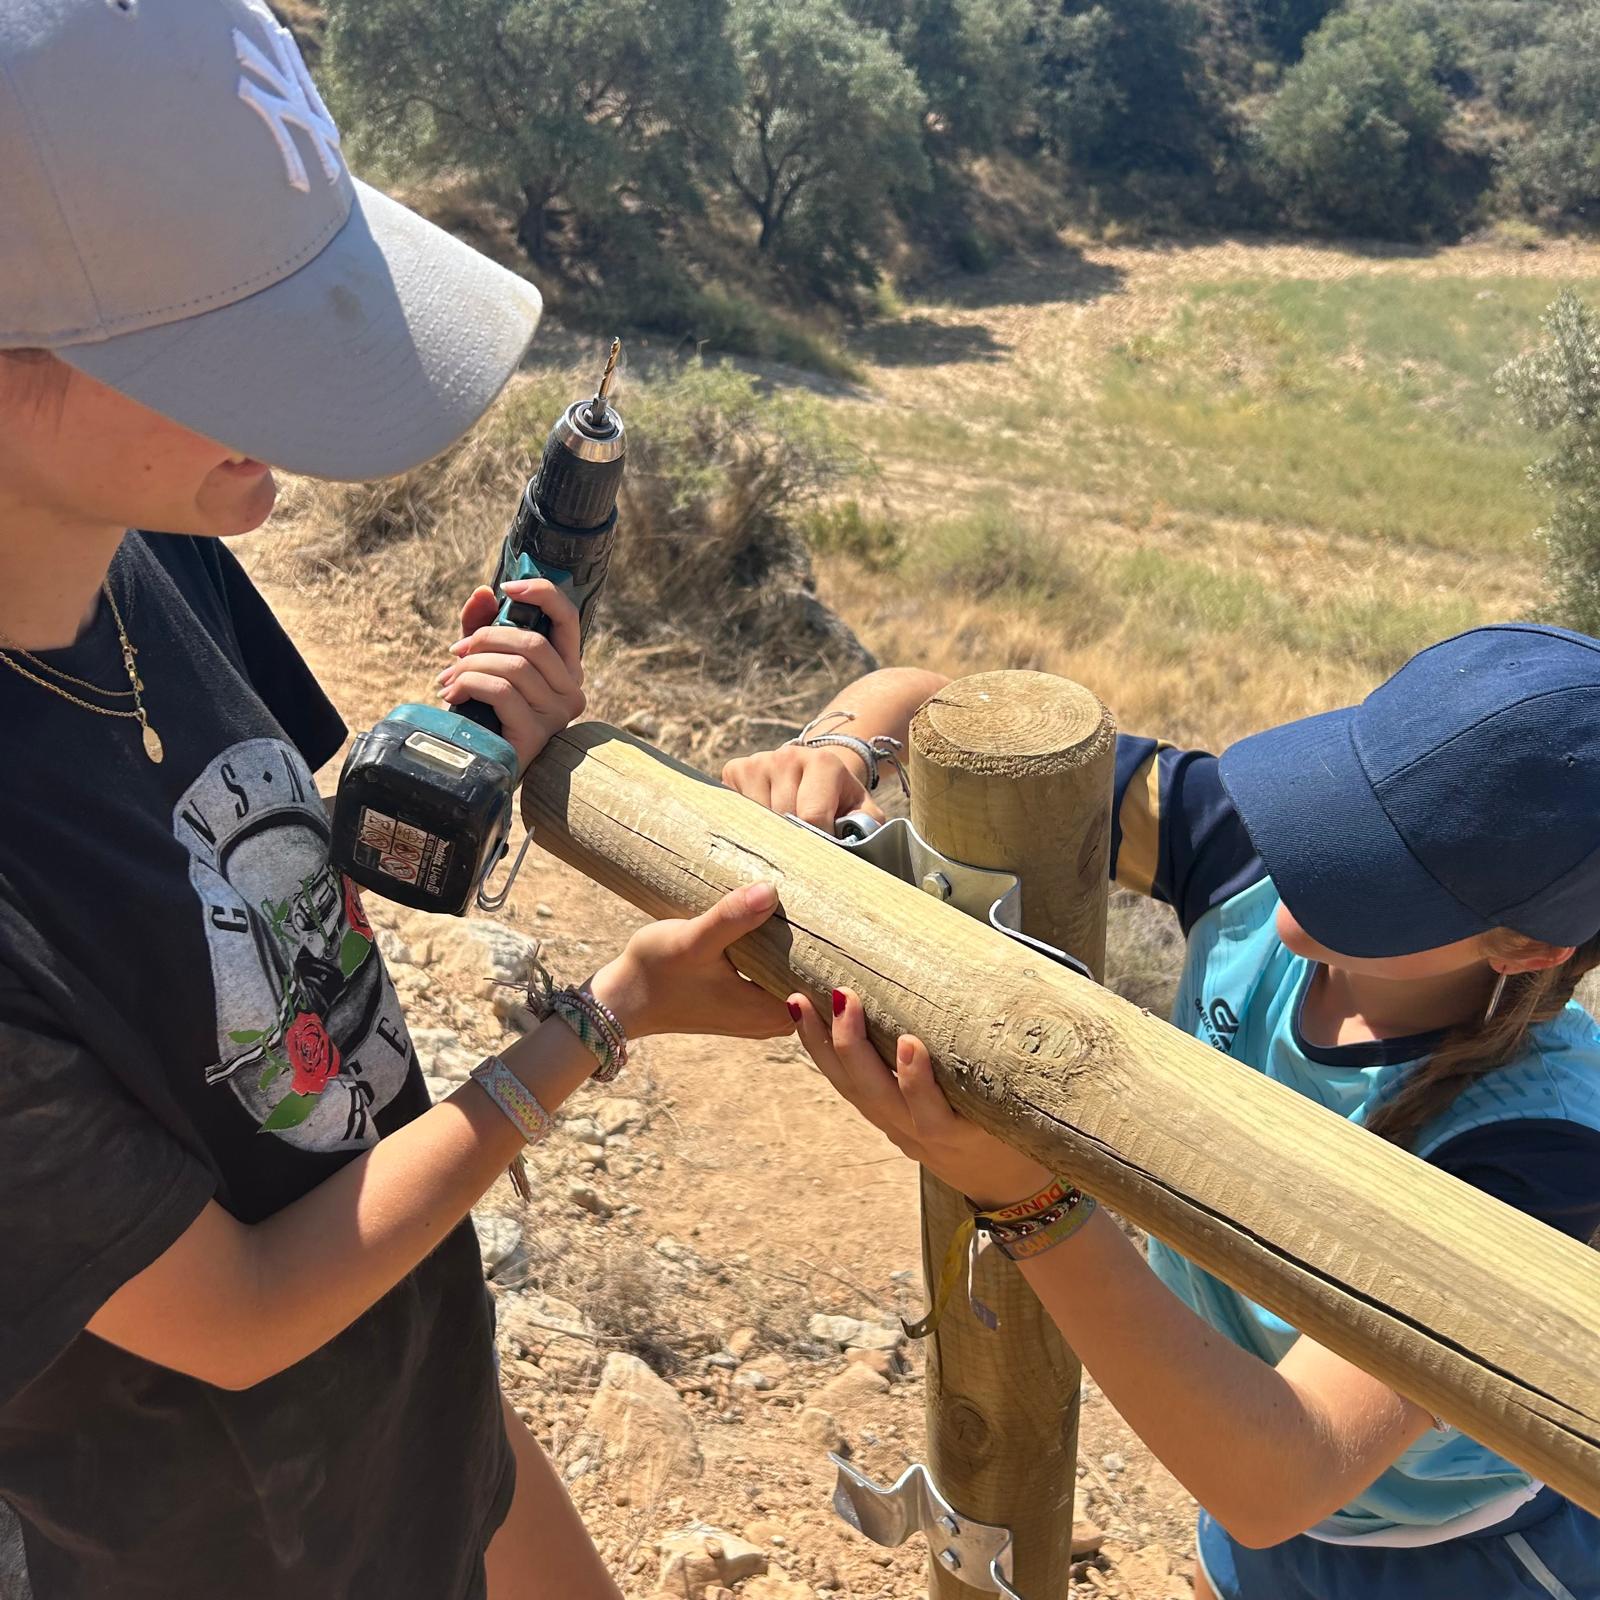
x: 721, y: 169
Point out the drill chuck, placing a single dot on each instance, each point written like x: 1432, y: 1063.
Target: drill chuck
x: 582, y: 468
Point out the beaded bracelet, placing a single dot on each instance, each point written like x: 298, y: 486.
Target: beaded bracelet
x: 596, y: 1026
x: 879, y: 748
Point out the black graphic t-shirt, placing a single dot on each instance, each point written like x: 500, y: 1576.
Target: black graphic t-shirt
x: 192, y: 1007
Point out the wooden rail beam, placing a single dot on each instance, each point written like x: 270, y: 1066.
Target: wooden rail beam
x: 1481, y: 1314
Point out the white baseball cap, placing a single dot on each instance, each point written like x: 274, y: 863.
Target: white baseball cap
x: 177, y: 221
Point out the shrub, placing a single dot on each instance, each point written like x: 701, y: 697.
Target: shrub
x: 720, y: 477
x: 713, y: 559
x: 1556, y: 88
x: 845, y: 529
x: 1358, y: 138
x: 1556, y: 389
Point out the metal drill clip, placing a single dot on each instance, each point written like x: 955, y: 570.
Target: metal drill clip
x: 978, y: 1551
x: 493, y: 902
x: 990, y: 896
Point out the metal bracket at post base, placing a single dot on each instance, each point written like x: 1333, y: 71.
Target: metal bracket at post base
x: 981, y: 892
x: 976, y: 1552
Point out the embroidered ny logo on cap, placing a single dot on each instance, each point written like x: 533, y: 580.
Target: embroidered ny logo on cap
x: 282, y: 93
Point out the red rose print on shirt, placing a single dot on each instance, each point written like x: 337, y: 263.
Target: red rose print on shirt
x: 355, y: 915
x: 312, y: 1054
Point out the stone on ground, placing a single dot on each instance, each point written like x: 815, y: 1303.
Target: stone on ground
x: 647, y: 1438
x: 851, y: 1386
x: 851, y: 1333
x: 700, y: 1560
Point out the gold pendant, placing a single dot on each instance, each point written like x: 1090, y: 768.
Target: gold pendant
x: 152, y: 744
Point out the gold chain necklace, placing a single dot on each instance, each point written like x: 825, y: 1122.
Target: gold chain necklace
x: 153, y: 748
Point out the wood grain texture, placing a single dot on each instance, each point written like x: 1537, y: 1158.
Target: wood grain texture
x: 1012, y: 770
x: 1477, y: 1312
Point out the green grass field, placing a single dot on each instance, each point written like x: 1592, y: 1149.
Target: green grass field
x: 1221, y: 498
x: 1365, y: 407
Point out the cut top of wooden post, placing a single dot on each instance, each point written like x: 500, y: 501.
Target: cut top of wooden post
x: 1013, y: 770
x: 1018, y: 725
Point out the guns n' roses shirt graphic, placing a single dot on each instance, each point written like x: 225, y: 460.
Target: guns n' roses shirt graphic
x: 309, y: 1033
x: 193, y: 1011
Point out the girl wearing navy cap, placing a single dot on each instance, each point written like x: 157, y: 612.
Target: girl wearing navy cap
x: 1387, y: 909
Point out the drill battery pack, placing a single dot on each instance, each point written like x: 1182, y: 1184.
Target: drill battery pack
x: 424, y: 808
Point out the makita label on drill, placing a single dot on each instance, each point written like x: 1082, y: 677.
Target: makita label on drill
x: 401, y: 851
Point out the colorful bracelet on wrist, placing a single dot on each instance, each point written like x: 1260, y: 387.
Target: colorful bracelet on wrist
x: 594, y: 1022
x: 514, y: 1098
x: 596, y: 1026
x: 521, y: 1108
x: 1023, y: 1241
x: 1020, y: 1231
x: 1030, y: 1227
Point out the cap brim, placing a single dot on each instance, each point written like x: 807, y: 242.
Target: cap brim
x: 371, y: 359
x: 1330, y: 849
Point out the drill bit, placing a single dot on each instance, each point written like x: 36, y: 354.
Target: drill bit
x: 597, y: 406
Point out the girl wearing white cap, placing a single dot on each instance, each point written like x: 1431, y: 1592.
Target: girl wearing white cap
x: 245, y: 1347
x: 1387, y: 909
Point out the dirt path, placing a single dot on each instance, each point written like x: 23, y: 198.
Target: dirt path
x: 785, y: 1205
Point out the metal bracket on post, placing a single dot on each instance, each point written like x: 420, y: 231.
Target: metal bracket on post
x: 979, y: 1554
x: 990, y: 896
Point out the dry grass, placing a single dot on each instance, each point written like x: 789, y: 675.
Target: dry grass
x: 1224, y: 484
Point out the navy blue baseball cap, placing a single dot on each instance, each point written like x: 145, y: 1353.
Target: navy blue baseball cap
x: 1462, y: 795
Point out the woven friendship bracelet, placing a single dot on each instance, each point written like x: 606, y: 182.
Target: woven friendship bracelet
x: 514, y: 1098
x: 1025, y: 1241
x: 595, y: 1027
x: 594, y: 1022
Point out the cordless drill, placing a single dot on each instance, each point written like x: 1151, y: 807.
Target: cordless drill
x: 425, y: 798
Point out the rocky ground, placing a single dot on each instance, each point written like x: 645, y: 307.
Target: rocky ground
x: 703, y: 1299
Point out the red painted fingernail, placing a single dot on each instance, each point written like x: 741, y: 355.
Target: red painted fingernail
x: 794, y: 1010
x: 839, y: 1002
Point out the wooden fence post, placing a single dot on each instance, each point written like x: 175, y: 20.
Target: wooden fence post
x: 1011, y: 770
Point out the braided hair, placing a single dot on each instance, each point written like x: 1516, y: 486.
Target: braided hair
x: 1472, y: 1050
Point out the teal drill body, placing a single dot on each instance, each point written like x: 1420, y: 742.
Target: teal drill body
x: 425, y: 799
